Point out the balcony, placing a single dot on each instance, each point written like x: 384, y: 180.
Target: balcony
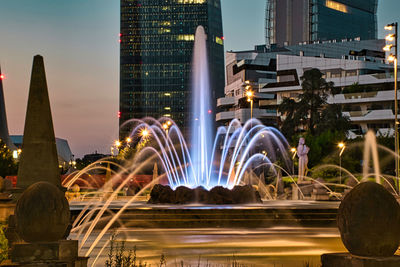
x: 370, y: 115
x: 225, y: 101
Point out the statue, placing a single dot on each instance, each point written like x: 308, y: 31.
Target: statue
x: 302, y: 151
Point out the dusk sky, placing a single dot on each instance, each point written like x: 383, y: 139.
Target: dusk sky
x: 79, y: 42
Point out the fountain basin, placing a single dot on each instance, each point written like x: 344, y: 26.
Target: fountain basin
x: 267, y: 214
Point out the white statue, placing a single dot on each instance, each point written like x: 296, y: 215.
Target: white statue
x: 302, y: 151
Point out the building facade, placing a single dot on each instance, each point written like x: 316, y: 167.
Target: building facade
x: 357, y: 68
x: 366, y: 88
x: 247, y: 69
x: 290, y: 22
x: 156, y: 43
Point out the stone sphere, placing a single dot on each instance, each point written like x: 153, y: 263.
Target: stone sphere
x: 369, y: 221
x: 42, y: 213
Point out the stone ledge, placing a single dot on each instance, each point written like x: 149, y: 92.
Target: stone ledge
x: 348, y: 260
x: 63, y: 250
x: 80, y: 262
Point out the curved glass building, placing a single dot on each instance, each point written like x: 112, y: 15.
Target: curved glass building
x: 290, y: 22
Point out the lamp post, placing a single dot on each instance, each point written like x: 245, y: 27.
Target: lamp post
x: 294, y: 151
x: 393, y: 58
x: 166, y: 126
x: 342, y: 146
x: 250, y: 96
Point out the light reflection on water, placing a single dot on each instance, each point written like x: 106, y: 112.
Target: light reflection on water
x: 278, y: 246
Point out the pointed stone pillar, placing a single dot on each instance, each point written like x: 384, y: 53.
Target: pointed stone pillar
x: 4, y: 135
x: 39, y: 160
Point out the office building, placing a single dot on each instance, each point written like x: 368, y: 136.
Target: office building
x: 290, y: 22
x: 156, y: 44
x: 4, y: 135
x: 356, y: 67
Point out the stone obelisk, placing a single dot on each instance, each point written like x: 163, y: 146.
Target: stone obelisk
x: 39, y: 160
x: 41, y: 216
x: 3, y: 118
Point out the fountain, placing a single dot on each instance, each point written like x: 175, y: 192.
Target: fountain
x: 232, y: 160
x: 207, y: 163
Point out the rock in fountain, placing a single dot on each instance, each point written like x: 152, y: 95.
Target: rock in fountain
x: 42, y: 212
x: 216, y: 196
x: 369, y: 224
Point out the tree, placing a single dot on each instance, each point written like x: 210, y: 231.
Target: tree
x: 7, y: 164
x: 311, y: 112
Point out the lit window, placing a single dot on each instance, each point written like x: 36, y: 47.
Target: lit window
x: 219, y: 40
x: 185, y: 37
x: 191, y: 1
x: 336, y: 6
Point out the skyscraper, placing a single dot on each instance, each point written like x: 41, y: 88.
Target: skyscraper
x: 3, y: 117
x: 290, y: 22
x: 156, y: 42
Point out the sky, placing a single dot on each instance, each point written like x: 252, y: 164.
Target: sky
x: 79, y: 42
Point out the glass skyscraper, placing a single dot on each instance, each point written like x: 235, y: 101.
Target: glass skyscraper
x: 290, y: 22
x: 156, y: 43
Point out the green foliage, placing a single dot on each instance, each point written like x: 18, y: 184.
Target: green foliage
x: 119, y: 257
x: 322, y: 145
x: 311, y: 112
x: 7, y: 164
x: 3, y: 244
x: 357, y: 88
x: 128, y: 152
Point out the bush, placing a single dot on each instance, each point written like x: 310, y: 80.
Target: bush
x: 3, y: 244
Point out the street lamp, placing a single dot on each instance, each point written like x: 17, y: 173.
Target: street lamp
x: 145, y: 133
x: 393, y: 58
x: 166, y: 127
x: 294, y: 151
x: 342, y: 146
x: 117, y: 143
x: 250, y: 96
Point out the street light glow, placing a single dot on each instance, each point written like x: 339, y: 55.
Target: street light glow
x: 145, y: 132
x: 249, y: 94
x: 391, y: 58
x: 117, y: 143
x: 387, y: 47
x: 342, y: 146
x: 388, y: 27
x: 128, y: 140
x: 293, y: 149
x: 165, y: 126
x: 390, y: 37
x: 169, y: 123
